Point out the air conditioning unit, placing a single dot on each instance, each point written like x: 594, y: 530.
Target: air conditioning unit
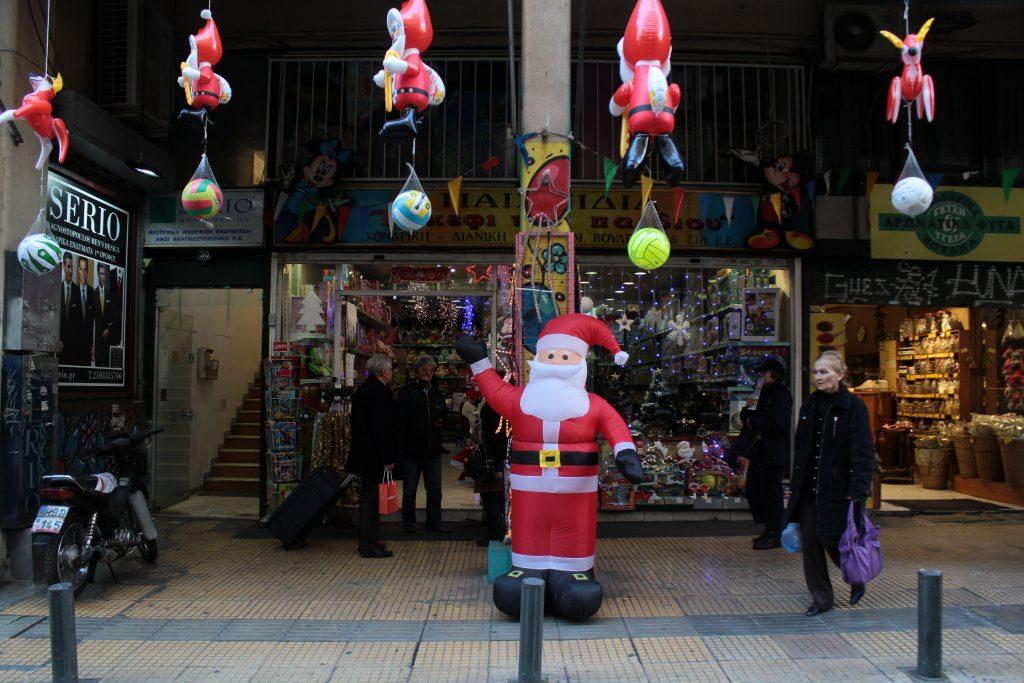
x: 851, y: 35
x: 135, y: 64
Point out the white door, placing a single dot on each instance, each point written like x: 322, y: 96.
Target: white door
x: 172, y: 449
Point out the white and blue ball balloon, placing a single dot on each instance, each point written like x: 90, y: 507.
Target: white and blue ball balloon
x: 39, y: 254
x: 411, y: 210
x: 912, y: 196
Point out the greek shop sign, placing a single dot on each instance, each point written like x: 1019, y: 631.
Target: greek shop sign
x: 239, y: 223
x: 962, y: 223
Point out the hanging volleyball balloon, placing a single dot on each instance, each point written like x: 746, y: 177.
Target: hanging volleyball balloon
x: 202, y: 197
x: 649, y: 246
x: 912, y: 194
x: 411, y: 209
x: 38, y: 251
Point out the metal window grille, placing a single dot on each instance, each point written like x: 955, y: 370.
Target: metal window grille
x: 724, y: 105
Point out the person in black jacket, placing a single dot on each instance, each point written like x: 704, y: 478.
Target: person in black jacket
x: 771, y: 418
x: 833, y: 465
x: 373, y: 448
x: 492, y: 491
x: 423, y: 409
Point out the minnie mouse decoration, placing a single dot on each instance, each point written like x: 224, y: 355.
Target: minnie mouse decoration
x: 204, y: 89
x: 913, y: 85
x: 37, y: 111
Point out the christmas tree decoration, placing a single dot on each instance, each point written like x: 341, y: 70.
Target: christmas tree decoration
x: 37, y: 111
x: 912, y: 194
x: 202, y: 197
x: 39, y: 253
x: 912, y: 85
x: 409, y: 84
x: 649, y: 246
x: 204, y: 89
x: 311, y: 315
x: 411, y: 209
x: 645, y: 99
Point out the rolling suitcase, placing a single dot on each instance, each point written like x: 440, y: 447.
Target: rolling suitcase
x: 306, y: 506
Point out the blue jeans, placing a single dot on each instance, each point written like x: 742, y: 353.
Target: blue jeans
x: 431, y: 471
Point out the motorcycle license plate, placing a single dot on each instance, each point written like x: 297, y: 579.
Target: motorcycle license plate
x: 50, y: 519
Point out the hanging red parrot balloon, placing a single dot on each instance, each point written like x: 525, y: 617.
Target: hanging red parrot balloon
x: 37, y: 111
x: 646, y: 98
x: 204, y: 89
x: 409, y: 84
x: 913, y: 85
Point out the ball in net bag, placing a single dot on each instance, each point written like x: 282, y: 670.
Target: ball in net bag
x: 649, y: 246
x: 411, y: 210
x: 912, y: 194
x: 39, y: 253
x: 202, y: 198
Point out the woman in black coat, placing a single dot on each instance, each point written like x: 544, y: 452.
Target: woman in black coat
x: 833, y: 466
x: 492, y: 490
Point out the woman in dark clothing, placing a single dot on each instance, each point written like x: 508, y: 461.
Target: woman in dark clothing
x: 771, y: 418
x: 492, y: 491
x: 833, y: 465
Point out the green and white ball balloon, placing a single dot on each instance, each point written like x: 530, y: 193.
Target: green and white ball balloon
x: 39, y: 254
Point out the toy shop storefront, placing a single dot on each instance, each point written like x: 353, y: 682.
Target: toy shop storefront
x: 695, y: 327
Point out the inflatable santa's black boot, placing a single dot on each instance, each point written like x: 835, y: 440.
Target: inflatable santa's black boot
x: 573, y: 595
x: 508, y: 589
x: 401, y: 131
x: 674, y: 167
x: 634, y: 159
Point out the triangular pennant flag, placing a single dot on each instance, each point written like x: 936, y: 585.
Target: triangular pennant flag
x: 755, y: 204
x: 871, y: 179
x: 776, y: 200
x: 454, y: 191
x: 934, y: 179
x: 488, y: 164
x: 705, y: 206
x: 391, y: 220
x: 646, y: 185
x: 727, y: 201
x: 1009, y: 178
x: 828, y: 182
x: 844, y: 175
x: 677, y: 200
x: 811, y: 187
x: 795, y: 194
x: 610, y: 169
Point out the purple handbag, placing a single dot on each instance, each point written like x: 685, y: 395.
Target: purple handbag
x: 860, y: 553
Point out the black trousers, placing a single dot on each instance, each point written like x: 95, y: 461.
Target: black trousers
x: 494, y: 514
x: 431, y: 471
x: 815, y: 548
x: 764, y: 495
x: 369, y: 515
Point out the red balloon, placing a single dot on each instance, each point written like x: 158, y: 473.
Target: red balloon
x: 648, y: 36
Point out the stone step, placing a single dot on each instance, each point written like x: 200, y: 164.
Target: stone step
x: 255, y: 392
x: 244, y: 441
x: 245, y: 429
x: 248, y: 416
x: 233, y: 484
x: 250, y: 404
x: 238, y: 455
x: 235, y: 470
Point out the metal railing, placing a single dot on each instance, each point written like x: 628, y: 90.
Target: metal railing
x: 328, y: 98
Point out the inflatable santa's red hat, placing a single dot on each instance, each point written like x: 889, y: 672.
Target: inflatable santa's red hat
x: 208, y: 40
x: 419, y: 32
x: 647, y: 36
x: 578, y: 332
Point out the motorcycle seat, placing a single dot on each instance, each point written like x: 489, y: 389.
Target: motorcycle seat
x: 104, y: 482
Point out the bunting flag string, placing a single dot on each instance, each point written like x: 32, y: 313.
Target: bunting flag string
x: 610, y: 169
x: 677, y: 201
x: 646, y: 185
x: 843, y: 177
x: 776, y: 200
x: 454, y: 191
x: 872, y: 178
x: 1009, y: 178
x: 728, y: 202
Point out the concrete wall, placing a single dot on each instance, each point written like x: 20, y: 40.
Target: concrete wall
x: 229, y: 321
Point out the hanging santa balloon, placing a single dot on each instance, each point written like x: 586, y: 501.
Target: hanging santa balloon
x: 37, y: 111
x: 409, y: 84
x: 411, y: 209
x: 204, y: 89
x: 912, y: 194
x: 649, y: 246
x: 646, y: 99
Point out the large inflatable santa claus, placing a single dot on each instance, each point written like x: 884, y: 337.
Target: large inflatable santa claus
x: 554, y: 462
x: 204, y: 88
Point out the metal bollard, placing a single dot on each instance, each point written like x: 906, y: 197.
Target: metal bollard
x: 929, y: 623
x: 531, y: 631
x: 63, y: 641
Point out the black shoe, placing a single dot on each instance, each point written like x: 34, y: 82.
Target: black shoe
x: 769, y: 542
x: 508, y: 589
x: 573, y: 595
x: 409, y: 528
x: 814, y: 610
x: 634, y: 159
x: 403, y: 130
x: 764, y: 533
x: 674, y: 167
x: 375, y: 552
x: 438, y: 529
x: 856, y: 593
x: 196, y: 118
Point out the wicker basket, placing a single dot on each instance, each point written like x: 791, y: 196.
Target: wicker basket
x: 933, y: 465
x: 987, y: 457
x: 965, y: 456
x: 1012, y: 451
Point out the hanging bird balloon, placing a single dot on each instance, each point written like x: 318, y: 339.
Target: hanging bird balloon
x: 913, y: 85
x: 37, y: 111
x: 646, y: 100
x: 408, y: 83
x: 204, y: 89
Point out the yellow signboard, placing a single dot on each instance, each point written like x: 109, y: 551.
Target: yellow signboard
x: 963, y: 223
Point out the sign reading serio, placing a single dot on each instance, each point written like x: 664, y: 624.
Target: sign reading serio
x: 973, y: 223
x: 93, y: 232
x: 238, y: 224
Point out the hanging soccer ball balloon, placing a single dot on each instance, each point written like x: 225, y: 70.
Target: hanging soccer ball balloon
x: 202, y: 198
x: 411, y: 210
x: 912, y: 196
x: 39, y: 253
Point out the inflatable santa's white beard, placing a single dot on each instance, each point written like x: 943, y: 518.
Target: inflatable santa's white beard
x: 556, y: 392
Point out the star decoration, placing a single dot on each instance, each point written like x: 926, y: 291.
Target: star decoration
x: 547, y: 202
x: 615, y: 377
x: 624, y: 323
x: 655, y: 373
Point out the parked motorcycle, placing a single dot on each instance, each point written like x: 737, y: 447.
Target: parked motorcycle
x: 96, y: 518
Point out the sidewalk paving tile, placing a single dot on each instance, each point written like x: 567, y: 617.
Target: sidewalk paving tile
x: 739, y: 648
x: 842, y: 669
x: 816, y: 646
x: 659, y: 626
x: 765, y: 671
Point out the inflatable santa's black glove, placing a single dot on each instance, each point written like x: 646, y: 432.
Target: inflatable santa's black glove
x: 470, y: 350
x: 629, y: 465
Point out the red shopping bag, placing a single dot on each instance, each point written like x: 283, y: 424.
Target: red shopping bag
x: 387, y: 495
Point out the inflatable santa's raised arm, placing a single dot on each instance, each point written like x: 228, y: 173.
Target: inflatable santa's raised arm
x: 554, y: 462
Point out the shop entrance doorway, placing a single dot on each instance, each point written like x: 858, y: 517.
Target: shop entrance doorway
x: 206, y: 398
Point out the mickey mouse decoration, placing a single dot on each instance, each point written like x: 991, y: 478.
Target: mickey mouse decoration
x: 783, y: 178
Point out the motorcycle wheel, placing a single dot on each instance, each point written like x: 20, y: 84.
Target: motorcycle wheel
x: 148, y: 550
x: 63, y: 558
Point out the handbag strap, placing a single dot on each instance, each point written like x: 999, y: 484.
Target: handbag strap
x: 388, y: 477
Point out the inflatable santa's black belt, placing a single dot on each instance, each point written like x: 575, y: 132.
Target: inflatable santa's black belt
x: 415, y: 91
x: 564, y: 457
x: 647, y: 107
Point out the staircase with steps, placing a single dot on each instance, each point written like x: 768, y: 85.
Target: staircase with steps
x: 236, y: 469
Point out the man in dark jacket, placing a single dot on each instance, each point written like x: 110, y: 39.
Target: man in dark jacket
x: 108, y: 317
x: 771, y: 419
x: 423, y: 408
x: 373, y: 448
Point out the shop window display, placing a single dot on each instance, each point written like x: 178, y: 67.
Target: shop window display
x: 694, y: 336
